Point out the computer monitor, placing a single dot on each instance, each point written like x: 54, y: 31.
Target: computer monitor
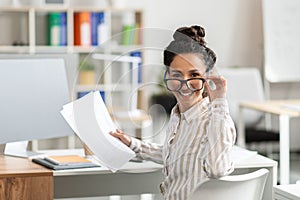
x: 33, y: 91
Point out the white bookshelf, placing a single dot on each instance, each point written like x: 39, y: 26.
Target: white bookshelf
x: 29, y: 17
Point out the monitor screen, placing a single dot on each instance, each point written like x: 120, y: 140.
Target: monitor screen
x: 32, y: 93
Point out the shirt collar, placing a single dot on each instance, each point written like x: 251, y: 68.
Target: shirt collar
x: 194, y: 111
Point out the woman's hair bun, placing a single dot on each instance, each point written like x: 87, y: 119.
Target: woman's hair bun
x: 197, y: 33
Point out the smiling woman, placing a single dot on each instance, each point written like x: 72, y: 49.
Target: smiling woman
x: 200, y: 133
x: 187, y: 57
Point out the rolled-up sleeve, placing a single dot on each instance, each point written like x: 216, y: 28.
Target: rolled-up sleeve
x: 221, y: 135
x: 147, y: 150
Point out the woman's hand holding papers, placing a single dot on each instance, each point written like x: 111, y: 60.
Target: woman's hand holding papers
x: 121, y: 136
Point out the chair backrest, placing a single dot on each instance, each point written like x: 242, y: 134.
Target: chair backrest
x: 234, y: 187
x: 243, y: 84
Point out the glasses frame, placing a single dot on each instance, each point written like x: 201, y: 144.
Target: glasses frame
x: 183, y: 82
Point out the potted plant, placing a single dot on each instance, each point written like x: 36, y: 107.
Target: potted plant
x: 86, y: 73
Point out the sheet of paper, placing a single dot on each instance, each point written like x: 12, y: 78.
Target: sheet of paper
x: 68, y: 114
x: 90, y: 120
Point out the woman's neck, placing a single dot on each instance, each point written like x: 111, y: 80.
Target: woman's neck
x: 184, y: 107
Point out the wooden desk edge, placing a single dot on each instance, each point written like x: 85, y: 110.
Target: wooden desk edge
x: 21, y: 167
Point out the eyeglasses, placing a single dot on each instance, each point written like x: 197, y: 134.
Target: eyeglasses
x: 194, y: 84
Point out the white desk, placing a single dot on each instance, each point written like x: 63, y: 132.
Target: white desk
x: 139, y: 178
x: 287, y: 192
x: 277, y: 107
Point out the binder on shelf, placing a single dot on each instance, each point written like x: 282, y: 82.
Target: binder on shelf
x: 94, y: 27
x: 82, y: 29
x: 128, y: 34
x: 99, y: 28
x: 63, y: 29
x: 138, y: 29
x: 138, y: 54
x: 54, y: 28
x: 128, y: 29
x: 57, y: 29
x: 102, y: 31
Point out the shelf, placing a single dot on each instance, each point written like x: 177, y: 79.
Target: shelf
x: 14, y: 8
x: 109, y: 48
x: 52, y: 49
x: 36, y: 35
x: 69, y: 49
x: 34, y: 49
x: 14, y: 49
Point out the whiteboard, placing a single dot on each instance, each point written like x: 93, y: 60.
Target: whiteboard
x: 281, y: 31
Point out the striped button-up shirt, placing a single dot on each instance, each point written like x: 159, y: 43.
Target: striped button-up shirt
x: 197, y: 147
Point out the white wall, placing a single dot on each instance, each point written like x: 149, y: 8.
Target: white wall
x: 233, y: 27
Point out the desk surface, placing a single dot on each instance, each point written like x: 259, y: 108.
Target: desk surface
x: 279, y: 107
x: 242, y: 158
x: 13, y: 166
x: 16, y: 167
x: 130, y: 167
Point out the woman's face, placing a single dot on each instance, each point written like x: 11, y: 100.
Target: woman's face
x: 183, y: 67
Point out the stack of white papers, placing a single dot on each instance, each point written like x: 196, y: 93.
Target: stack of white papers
x: 90, y: 120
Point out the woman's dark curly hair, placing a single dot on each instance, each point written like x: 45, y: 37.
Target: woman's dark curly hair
x: 189, y: 40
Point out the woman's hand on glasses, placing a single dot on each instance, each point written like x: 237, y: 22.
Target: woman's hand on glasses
x: 220, y: 87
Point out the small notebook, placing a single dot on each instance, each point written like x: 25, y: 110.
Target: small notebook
x: 64, y: 162
x: 67, y: 160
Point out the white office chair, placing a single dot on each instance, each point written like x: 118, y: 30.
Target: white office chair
x: 234, y: 187
x: 245, y: 84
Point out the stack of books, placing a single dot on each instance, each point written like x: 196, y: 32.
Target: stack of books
x: 65, y: 162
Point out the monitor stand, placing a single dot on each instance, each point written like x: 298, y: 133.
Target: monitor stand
x: 19, y: 149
